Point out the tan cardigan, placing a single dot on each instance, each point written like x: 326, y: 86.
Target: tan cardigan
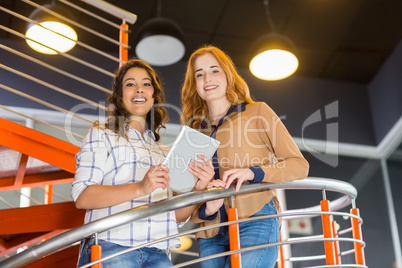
x: 255, y: 137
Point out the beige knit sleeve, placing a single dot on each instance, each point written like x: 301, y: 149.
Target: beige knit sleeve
x: 288, y: 162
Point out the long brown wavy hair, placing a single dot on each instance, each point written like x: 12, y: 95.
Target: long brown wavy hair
x: 194, y: 108
x: 118, y: 119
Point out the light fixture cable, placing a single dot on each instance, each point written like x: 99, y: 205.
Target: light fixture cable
x: 159, y: 9
x: 160, y: 40
x: 269, y: 17
x: 273, y: 57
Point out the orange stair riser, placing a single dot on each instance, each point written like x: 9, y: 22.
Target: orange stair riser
x: 38, y: 145
x: 42, y: 218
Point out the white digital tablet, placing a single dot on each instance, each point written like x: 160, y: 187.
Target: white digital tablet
x: 188, y: 144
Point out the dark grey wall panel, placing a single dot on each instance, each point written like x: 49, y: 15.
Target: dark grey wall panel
x: 386, y: 94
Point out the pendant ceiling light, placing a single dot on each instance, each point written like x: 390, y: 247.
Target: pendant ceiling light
x: 52, y: 32
x: 274, y: 58
x: 160, y: 41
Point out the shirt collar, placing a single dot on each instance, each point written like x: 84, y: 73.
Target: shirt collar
x: 238, y: 108
x: 148, y: 134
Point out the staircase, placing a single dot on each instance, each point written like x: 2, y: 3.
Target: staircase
x: 55, y: 164
x: 32, y: 160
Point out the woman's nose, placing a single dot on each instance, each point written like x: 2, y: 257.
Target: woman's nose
x: 139, y: 90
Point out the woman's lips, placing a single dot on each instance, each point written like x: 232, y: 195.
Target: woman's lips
x: 209, y: 88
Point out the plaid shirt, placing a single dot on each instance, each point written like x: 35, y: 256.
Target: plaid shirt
x: 106, y: 159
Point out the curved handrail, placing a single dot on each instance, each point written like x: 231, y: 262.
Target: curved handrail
x: 287, y: 242
x: 74, y: 235
x: 227, y: 253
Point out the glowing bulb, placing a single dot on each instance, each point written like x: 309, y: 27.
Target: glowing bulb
x: 51, y: 39
x: 274, y: 64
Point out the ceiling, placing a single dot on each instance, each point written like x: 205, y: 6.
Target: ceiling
x: 341, y: 45
x: 345, y: 40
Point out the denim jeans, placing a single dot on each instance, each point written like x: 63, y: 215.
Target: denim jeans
x: 252, y: 233
x: 144, y: 257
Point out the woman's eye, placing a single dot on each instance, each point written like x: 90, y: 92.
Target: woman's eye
x: 147, y: 84
x: 198, y: 75
x: 215, y: 71
x: 130, y: 85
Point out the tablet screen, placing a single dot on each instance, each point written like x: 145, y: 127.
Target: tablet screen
x: 188, y: 144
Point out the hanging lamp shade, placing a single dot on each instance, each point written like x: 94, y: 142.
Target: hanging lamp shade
x: 54, y: 35
x: 160, y: 42
x: 274, y: 58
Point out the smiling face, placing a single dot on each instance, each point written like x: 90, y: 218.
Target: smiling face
x: 138, y: 92
x: 211, y: 81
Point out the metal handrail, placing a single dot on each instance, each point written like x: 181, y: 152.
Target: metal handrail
x: 286, y: 215
x: 227, y: 253
x: 193, y: 198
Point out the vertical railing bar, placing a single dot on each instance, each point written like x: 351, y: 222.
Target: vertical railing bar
x: 123, y: 38
x: 48, y: 194
x: 327, y: 231
x: 234, y: 235
x: 284, y: 231
x: 337, y: 248
x: 357, y: 234
x: 391, y: 214
x: 56, y: 194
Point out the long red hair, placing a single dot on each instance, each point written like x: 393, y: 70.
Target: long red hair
x: 194, y: 108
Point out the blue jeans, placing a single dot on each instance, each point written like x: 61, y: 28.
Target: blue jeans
x: 252, y: 233
x: 140, y: 258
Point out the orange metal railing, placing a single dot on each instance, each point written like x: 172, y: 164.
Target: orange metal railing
x: 357, y: 234
x: 123, y: 51
x: 327, y: 210
x: 234, y: 238
x: 327, y: 231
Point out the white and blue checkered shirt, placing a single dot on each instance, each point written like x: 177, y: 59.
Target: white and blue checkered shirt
x: 106, y: 159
